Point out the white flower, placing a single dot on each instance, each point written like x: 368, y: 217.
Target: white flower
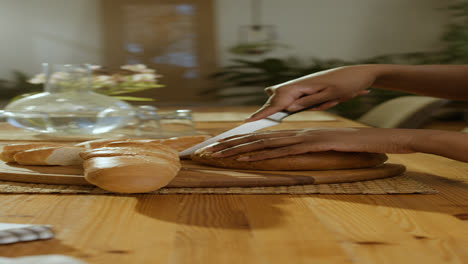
x: 104, y: 80
x: 37, y: 79
x: 94, y: 67
x: 59, y: 76
x: 137, y: 68
x: 144, y: 77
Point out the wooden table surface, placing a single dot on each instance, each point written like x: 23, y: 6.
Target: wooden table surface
x: 257, y: 228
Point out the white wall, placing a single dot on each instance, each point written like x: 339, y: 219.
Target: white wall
x: 58, y: 31
x: 54, y: 31
x: 346, y: 29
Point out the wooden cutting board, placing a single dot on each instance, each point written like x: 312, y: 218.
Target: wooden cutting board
x: 196, y: 175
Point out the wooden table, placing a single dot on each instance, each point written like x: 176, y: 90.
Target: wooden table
x: 257, y: 228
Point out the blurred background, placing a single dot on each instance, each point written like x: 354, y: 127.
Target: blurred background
x: 224, y: 52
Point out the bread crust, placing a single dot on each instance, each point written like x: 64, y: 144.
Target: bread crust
x: 327, y: 160
x: 131, y: 166
x: 63, y: 155
x: 8, y: 152
x: 178, y: 143
x: 184, y: 142
x: 96, y: 143
x: 161, y: 151
x: 130, y: 174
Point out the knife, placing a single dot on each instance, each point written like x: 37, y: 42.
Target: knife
x: 272, y: 120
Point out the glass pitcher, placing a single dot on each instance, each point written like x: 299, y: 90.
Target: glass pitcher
x: 68, y: 105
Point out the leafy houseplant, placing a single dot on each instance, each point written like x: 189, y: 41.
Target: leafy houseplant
x: 270, y: 71
x: 456, y: 34
x: 19, y: 85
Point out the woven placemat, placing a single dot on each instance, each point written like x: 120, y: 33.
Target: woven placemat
x: 402, y: 184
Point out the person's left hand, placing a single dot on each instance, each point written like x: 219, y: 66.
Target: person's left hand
x: 292, y: 142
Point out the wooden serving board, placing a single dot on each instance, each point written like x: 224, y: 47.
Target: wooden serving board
x: 195, y: 175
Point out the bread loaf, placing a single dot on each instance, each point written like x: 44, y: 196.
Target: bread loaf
x: 328, y: 160
x: 160, y: 150
x: 7, y: 152
x: 131, y: 169
x: 142, y: 145
x: 62, y: 155
x: 178, y: 143
x: 130, y: 174
x: 184, y: 142
x: 98, y: 143
x: 128, y: 166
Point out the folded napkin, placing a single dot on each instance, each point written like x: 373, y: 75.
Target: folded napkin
x: 12, y: 233
x: 42, y: 259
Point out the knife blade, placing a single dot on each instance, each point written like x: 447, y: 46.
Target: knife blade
x: 272, y: 120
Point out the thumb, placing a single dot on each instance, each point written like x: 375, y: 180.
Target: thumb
x: 263, y: 112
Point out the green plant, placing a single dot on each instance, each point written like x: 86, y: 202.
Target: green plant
x: 456, y: 34
x: 271, y: 71
x: 19, y: 85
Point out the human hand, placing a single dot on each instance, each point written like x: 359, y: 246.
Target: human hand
x: 324, y: 89
x: 292, y: 142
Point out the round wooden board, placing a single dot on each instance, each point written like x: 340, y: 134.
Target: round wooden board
x: 195, y: 175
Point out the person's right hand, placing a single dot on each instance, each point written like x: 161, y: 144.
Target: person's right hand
x: 324, y: 89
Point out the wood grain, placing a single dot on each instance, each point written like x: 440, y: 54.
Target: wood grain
x: 265, y: 229
x: 198, y: 175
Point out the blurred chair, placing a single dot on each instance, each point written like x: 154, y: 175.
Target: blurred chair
x: 403, y: 112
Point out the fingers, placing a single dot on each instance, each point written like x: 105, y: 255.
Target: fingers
x: 265, y: 143
x: 275, y: 132
x: 278, y: 144
x: 265, y: 111
x: 269, y: 91
x: 231, y: 137
x: 236, y: 141
x: 277, y: 102
x: 319, y: 97
x: 326, y: 105
x: 286, y: 97
x: 363, y: 92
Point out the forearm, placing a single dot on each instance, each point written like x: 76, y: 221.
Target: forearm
x: 444, y: 81
x: 450, y: 144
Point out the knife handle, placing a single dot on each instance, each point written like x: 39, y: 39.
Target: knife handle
x: 278, y: 116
